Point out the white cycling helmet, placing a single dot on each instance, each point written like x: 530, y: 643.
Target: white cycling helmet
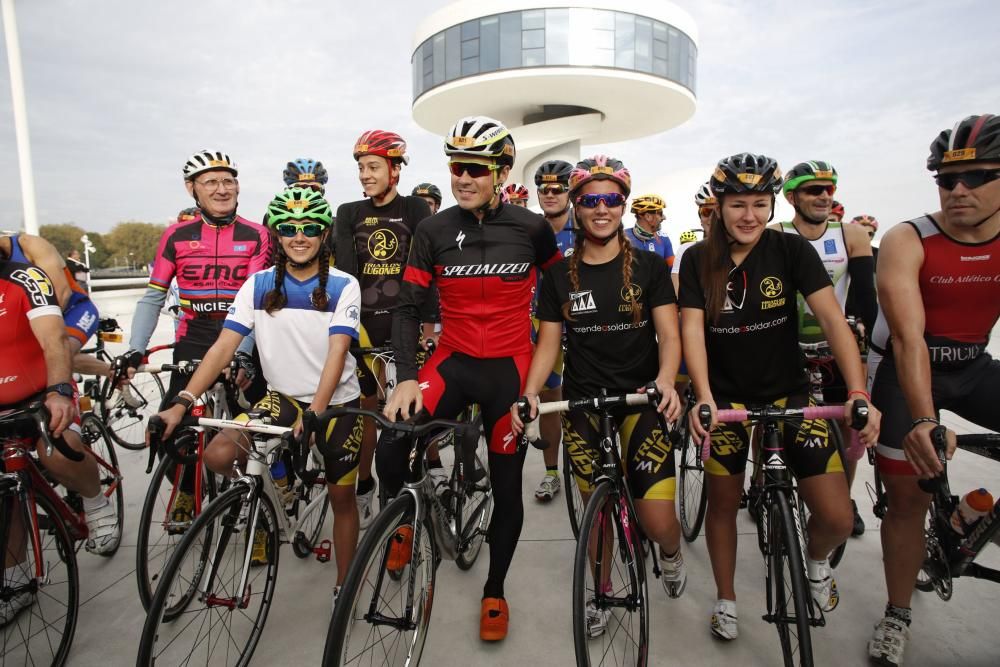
x: 705, y: 196
x: 480, y: 136
x: 206, y: 160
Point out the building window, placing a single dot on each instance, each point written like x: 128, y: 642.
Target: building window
x: 539, y: 37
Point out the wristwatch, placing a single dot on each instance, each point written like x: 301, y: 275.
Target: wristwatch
x: 63, y: 389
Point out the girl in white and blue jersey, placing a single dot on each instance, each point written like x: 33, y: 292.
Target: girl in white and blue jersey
x: 304, y: 316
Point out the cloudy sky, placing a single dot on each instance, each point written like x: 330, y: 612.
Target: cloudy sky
x: 120, y: 92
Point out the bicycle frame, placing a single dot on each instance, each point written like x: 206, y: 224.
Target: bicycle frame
x: 961, y: 552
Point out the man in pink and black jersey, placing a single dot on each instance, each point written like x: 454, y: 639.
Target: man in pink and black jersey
x: 939, y: 301
x: 481, y: 255
x: 210, y: 257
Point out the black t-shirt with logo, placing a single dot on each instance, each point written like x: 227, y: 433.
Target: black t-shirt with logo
x: 605, y: 349
x: 753, y: 349
x: 373, y: 243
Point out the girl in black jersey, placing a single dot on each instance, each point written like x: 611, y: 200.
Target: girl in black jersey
x: 738, y: 299
x: 619, y: 310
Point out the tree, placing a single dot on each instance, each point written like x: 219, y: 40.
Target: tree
x: 64, y: 237
x: 132, y: 242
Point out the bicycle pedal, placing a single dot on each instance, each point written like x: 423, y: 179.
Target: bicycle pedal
x: 323, y: 551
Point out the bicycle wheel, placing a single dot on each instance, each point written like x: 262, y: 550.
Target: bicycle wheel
x: 610, y: 593
x: 375, y: 620
x: 222, y: 623
x: 95, y: 436
x: 574, y: 500
x: 41, y: 631
x: 473, y: 504
x: 838, y: 439
x: 125, y: 412
x: 157, y: 536
x: 311, y: 530
x: 692, y: 494
x: 787, y: 591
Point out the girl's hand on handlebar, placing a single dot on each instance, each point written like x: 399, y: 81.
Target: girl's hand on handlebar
x: 695, y: 423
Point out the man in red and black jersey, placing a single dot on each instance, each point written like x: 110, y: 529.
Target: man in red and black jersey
x: 35, y: 364
x: 481, y: 255
x: 372, y: 243
x: 939, y: 300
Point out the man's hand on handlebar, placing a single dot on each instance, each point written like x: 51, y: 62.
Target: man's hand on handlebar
x: 171, y: 417
x: 406, y: 399
x: 62, y: 412
x: 516, y: 423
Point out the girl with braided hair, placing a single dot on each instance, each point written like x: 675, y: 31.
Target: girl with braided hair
x: 304, y: 315
x: 622, y: 332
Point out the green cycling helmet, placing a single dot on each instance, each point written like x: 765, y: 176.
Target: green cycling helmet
x: 297, y: 204
x: 814, y: 170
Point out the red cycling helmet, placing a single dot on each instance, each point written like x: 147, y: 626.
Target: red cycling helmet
x: 837, y: 209
x: 382, y: 143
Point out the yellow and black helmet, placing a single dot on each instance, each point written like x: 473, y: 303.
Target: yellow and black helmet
x: 647, y: 204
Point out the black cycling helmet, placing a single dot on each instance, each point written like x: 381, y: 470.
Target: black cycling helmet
x: 553, y: 172
x: 427, y: 190
x: 746, y: 172
x: 973, y: 139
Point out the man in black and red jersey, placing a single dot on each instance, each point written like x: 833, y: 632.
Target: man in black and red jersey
x: 939, y: 301
x: 372, y: 244
x: 35, y: 365
x: 210, y: 257
x: 481, y: 255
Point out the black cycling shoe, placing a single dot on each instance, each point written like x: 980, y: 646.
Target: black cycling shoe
x: 859, y: 524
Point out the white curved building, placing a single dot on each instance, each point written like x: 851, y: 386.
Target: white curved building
x: 557, y: 72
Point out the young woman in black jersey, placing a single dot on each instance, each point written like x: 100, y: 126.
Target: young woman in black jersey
x: 619, y: 310
x: 738, y: 300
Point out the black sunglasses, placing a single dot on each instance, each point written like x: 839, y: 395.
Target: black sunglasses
x: 817, y: 190
x: 972, y: 179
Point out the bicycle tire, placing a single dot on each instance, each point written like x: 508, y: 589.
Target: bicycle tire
x: 154, y: 544
x: 95, y: 435
x: 224, y: 520
x: 692, y: 494
x: 605, y: 509
x: 357, y: 595
x: 474, y: 504
x: 838, y: 552
x: 126, y: 424
x: 574, y: 499
x: 785, y: 556
x: 27, y: 638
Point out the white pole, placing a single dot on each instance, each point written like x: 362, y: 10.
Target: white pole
x: 20, y: 118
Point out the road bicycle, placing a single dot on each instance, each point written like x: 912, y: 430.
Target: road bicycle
x: 789, y: 602
x: 950, y: 555
x: 383, y: 613
x: 211, y: 605
x: 609, y: 572
x: 124, y: 408
x: 40, y: 532
x: 179, y: 470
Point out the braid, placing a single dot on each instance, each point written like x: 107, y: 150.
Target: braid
x: 320, y: 299
x: 627, y: 256
x: 574, y: 272
x: 276, y: 299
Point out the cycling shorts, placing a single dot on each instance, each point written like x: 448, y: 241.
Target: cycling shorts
x: 646, y: 452
x: 451, y: 381
x: 376, y: 331
x: 81, y: 318
x: 969, y: 391
x: 809, y: 448
x: 339, y: 443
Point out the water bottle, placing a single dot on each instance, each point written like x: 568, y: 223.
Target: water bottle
x: 280, y: 476
x: 974, y: 506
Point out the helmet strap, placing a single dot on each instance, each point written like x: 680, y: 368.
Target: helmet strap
x: 812, y: 221
x: 216, y: 221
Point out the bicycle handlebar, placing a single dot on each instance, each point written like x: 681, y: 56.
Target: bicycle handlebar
x: 859, y: 417
x: 39, y: 414
x: 532, y: 429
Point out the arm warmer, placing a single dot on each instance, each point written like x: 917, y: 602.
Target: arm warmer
x: 147, y: 314
x: 861, y: 295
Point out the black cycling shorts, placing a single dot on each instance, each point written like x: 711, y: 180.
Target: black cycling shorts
x: 646, y: 452
x: 809, y: 448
